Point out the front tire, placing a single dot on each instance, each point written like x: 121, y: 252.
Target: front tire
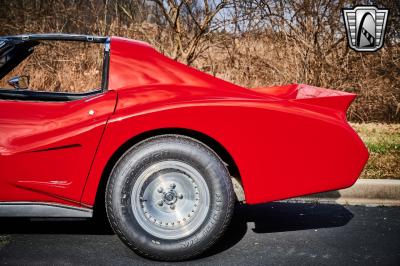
x: 169, y: 198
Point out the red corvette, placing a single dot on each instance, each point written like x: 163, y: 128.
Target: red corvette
x: 167, y: 149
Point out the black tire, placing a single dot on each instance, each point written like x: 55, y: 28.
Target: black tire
x: 126, y: 219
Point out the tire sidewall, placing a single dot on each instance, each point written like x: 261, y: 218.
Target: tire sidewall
x: 139, y: 158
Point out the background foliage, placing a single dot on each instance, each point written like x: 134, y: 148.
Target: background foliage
x: 251, y: 43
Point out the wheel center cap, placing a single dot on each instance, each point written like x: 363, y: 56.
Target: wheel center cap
x: 170, y: 197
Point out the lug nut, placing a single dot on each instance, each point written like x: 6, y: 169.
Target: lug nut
x: 160, y: 190
x: 172, y: 207
x: 160, y: 203
x: 180, y: 196
x: 172, y: 185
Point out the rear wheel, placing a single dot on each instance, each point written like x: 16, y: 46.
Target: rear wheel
x: 169, y: 198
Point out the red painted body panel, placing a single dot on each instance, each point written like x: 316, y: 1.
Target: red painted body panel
x: 286, y: 141
x: 46, y: 148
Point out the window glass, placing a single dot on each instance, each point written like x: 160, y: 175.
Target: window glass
x: 59, y: 66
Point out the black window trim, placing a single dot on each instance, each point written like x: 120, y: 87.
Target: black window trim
x: 58, y: 37
x: 44, y: 96
x: 106, y: 65
x: 29, y: 95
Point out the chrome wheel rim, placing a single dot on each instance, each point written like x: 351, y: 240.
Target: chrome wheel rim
x: 170, y: 199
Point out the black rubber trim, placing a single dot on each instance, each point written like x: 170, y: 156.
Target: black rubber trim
x: 57, y: 37
x: 27, y: 95
x: 106, y: 66
x: 42, y: 209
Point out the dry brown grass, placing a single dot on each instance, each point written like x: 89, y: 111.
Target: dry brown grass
x: 258, y: 61
x: 383, y: 142
x: 314, y: 51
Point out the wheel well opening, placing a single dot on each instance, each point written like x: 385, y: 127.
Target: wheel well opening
x: 207, y: 140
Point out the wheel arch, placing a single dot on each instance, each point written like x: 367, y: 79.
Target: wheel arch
x: 210, y: 142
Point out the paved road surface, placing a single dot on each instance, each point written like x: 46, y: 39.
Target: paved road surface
x: 270, y: 234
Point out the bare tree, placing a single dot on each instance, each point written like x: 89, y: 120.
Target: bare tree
x: 190, y: 22
x: 249, y: 42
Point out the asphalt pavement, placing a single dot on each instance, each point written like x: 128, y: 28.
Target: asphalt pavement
x: 269, y: 234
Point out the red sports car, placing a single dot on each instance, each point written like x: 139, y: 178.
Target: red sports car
x: 167, y: 149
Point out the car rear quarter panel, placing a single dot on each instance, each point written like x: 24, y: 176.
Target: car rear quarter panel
x: 282, y: 149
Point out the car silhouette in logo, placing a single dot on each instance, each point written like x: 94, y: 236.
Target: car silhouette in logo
x: 365, y: 26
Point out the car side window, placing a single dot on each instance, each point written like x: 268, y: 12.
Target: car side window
x: 58, y: 66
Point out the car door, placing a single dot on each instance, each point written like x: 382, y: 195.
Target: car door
x: 48, y: 142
